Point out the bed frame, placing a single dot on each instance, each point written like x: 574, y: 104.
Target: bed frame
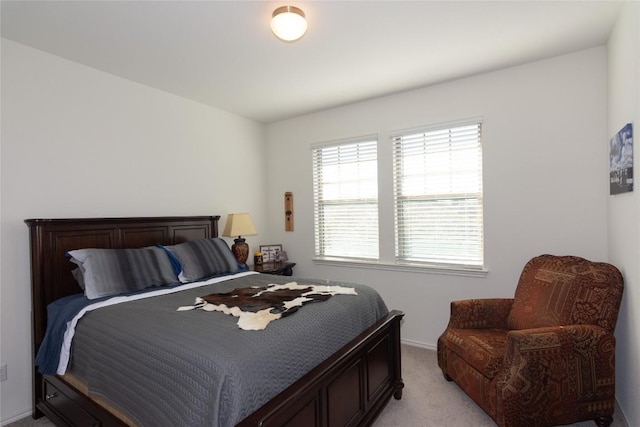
x: 350, y: 388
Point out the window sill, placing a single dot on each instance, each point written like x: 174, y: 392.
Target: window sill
x: 414, y: 268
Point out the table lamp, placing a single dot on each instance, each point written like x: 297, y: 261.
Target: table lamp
x: 239, y: 224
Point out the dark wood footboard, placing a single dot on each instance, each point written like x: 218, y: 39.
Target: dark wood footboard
x: 348, y: 389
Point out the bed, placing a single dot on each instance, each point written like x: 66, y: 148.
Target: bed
x: 348, y: 387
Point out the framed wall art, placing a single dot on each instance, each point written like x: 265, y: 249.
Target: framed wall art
x: 621, y: 161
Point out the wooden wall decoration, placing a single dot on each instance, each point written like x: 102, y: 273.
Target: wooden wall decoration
x: 288, y: 211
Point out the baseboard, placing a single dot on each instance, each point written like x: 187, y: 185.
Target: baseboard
x: 419, y: 344
x: 16, y: 418
x: 620, y: 414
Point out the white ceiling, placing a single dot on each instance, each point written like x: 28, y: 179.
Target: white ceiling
x: 222, y: 53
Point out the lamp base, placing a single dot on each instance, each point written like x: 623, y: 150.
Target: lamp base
x: 240, y: 250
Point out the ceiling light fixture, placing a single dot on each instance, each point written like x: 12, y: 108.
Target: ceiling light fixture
x: 288, y: 23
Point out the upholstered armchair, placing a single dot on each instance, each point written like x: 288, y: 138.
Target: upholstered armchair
x: 546, y: 356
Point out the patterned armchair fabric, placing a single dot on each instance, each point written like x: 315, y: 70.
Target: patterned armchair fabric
x: 545, y: 357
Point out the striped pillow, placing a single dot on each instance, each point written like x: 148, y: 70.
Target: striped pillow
x: 115, y: 271
x: 200, y: 259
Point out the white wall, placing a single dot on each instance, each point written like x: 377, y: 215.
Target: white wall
x: 545, y: 168
x: 77, y: 142
x: 545, y: 177
x: 624, y: 209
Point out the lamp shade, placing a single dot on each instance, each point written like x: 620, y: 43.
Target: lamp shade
x: 239, y: 224
x: 288, y: 23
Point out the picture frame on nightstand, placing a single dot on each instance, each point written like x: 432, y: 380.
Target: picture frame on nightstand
x: 270, y: 252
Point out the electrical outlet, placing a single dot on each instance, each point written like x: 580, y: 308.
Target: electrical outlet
x: 3, y: 372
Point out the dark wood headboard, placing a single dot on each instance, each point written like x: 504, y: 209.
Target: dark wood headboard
x: 51, y: 239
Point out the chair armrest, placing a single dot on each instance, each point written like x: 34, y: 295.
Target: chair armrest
x: 555, y: 368
x: 551, y: 342
x: 487, y: 313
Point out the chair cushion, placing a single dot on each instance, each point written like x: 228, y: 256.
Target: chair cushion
x: 563, y: 290
x: 483, y: 349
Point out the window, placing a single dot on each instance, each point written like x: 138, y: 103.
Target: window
x: 345, y: 185
x: 438, y: 196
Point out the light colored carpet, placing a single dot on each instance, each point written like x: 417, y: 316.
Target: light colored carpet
x: 427, y: 400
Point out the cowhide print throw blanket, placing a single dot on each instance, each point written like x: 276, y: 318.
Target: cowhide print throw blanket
x: 256, y: 306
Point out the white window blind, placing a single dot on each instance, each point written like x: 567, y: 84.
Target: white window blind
x: 438, y: 196
x: 345, y: 194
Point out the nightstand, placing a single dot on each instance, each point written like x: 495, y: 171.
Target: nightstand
x: 277, y: 268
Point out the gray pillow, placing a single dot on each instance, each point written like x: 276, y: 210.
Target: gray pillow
x: 199, y: 259
x: 114, y: 271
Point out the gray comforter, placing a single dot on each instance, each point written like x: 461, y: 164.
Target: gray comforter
x: 164, y: 367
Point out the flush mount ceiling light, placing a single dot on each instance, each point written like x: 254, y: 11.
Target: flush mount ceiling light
x: 288, y: 23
